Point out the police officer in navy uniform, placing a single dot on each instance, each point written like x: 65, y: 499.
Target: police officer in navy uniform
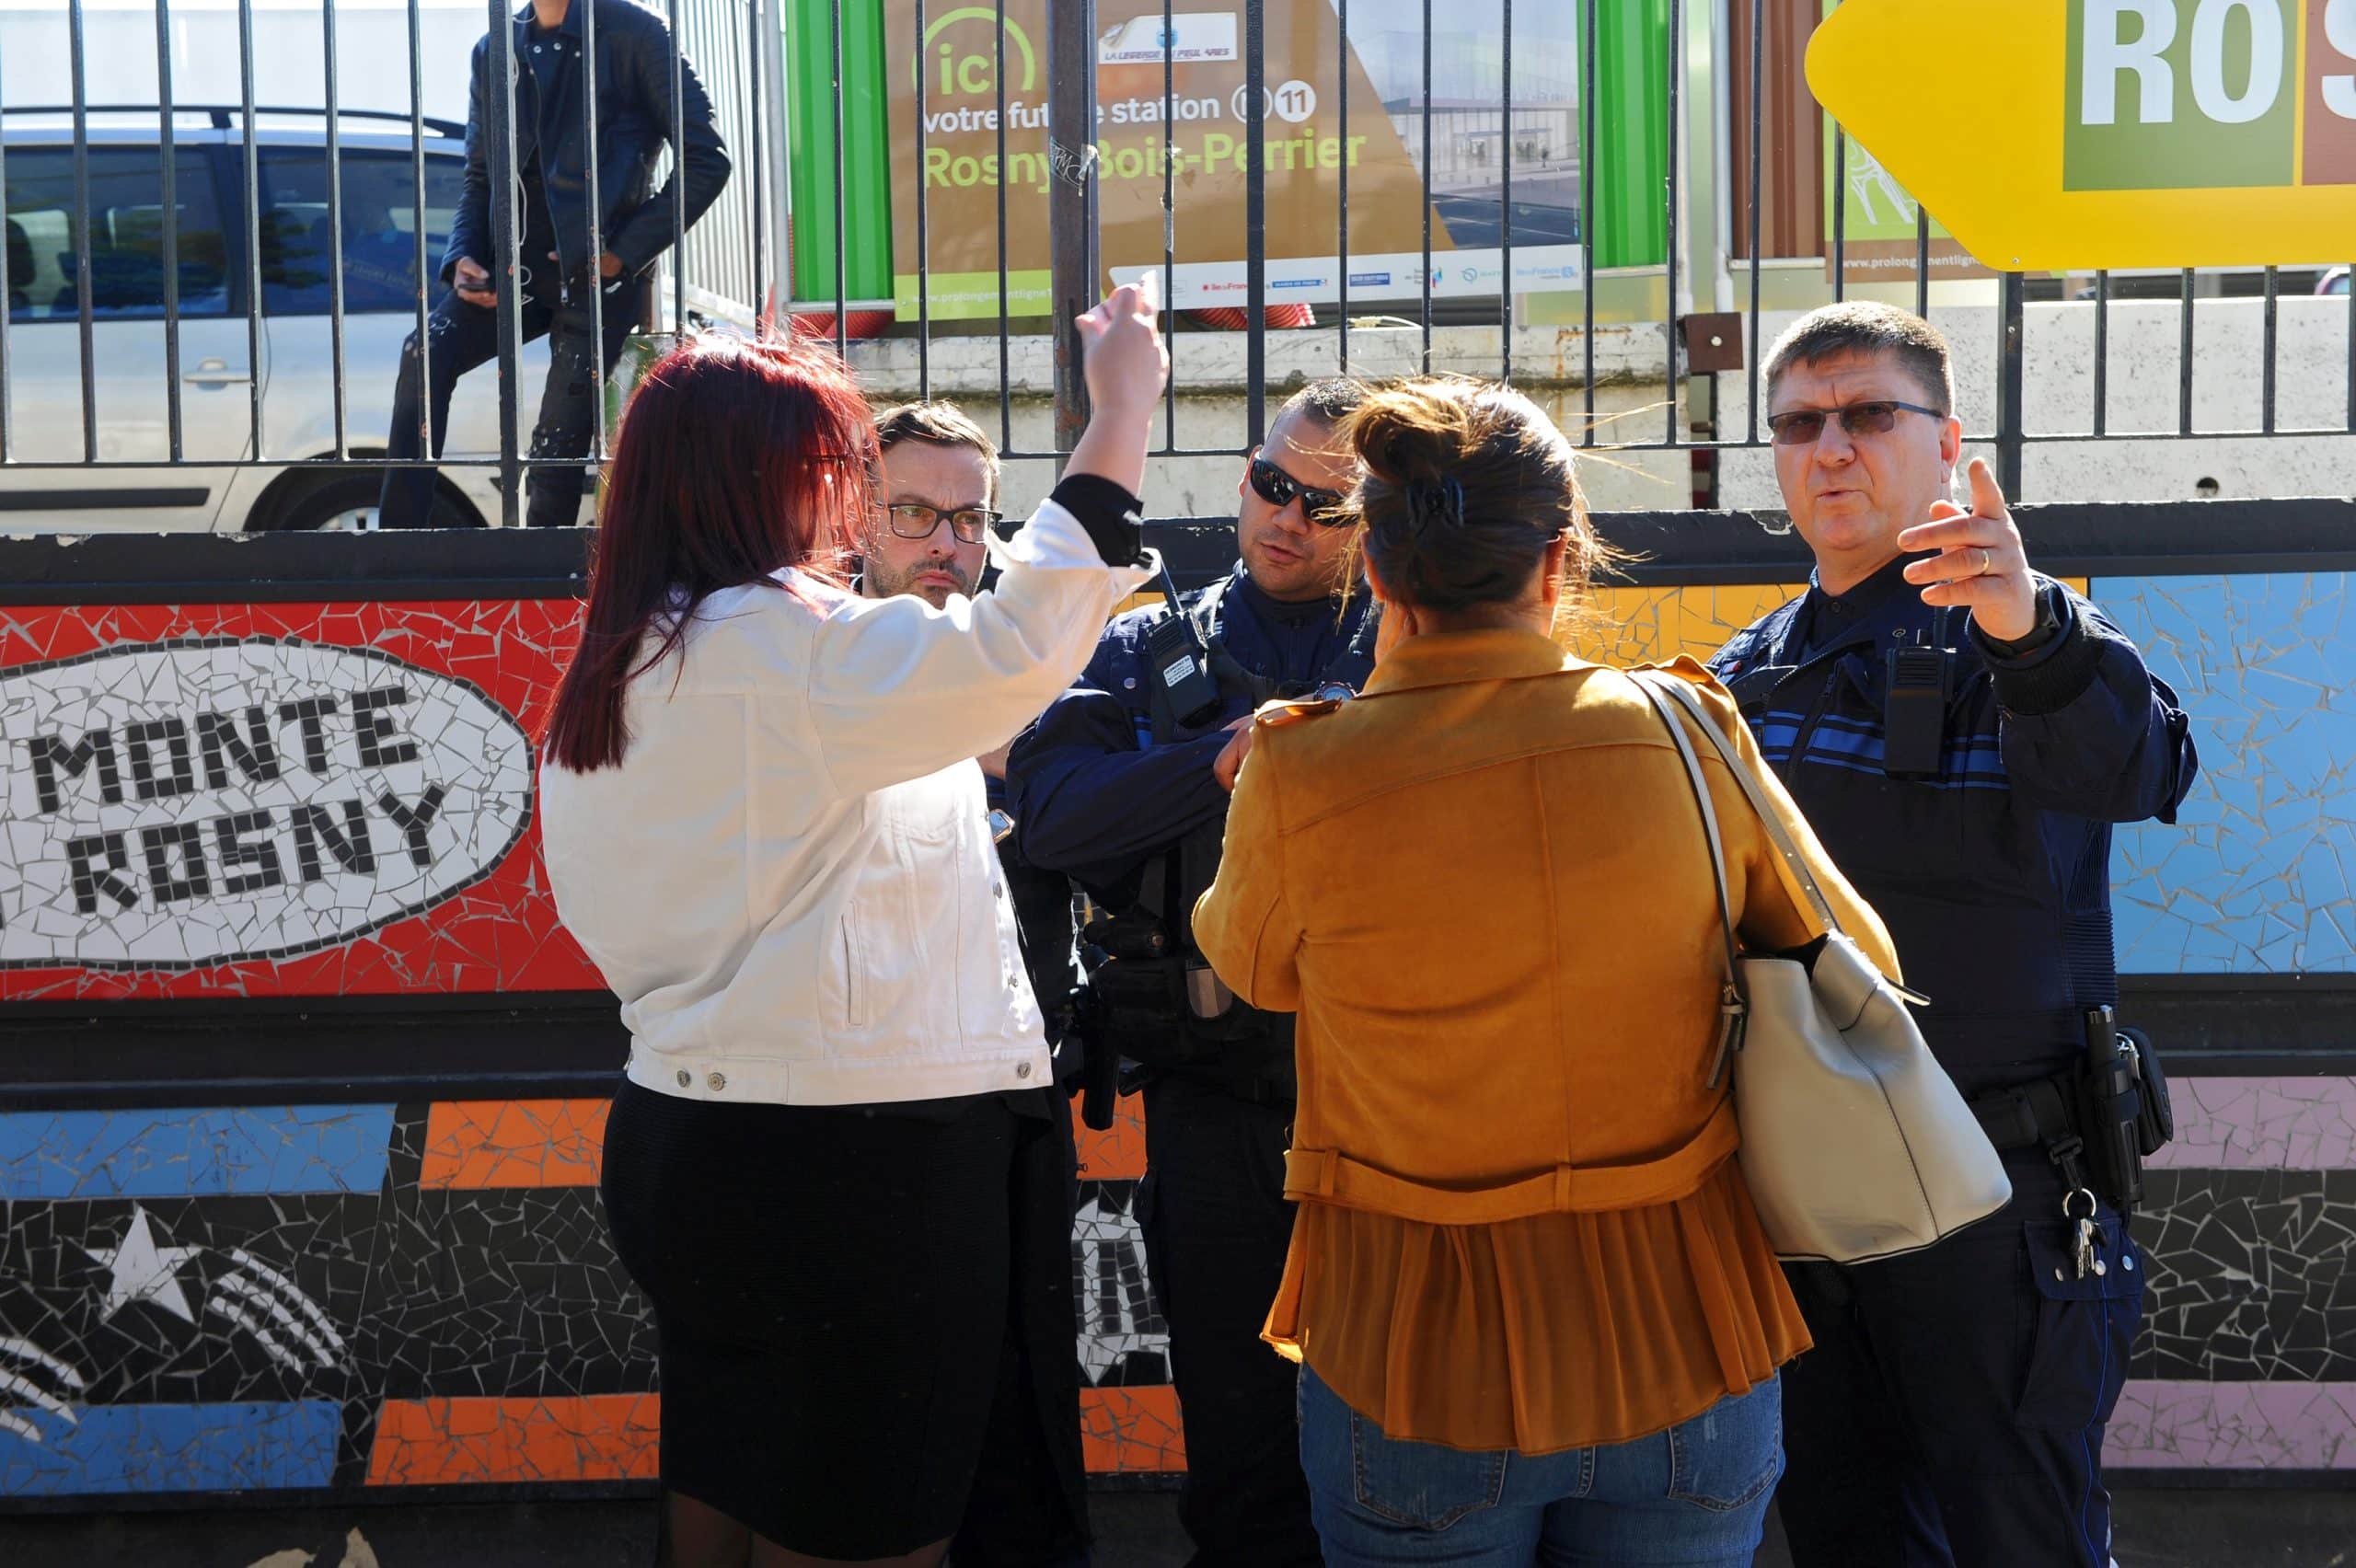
x: 1962, y: 732
x: 1122, y: 784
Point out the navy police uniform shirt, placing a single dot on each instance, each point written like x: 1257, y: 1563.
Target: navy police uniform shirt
x: 1094, y: 792
x: 1992, y: 866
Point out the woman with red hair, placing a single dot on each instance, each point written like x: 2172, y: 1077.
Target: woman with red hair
x: 762, y: 821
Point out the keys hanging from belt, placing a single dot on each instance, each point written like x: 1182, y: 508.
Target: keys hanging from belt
x: 2089, y: 1239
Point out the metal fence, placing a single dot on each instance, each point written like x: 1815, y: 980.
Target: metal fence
x: 727, y: 268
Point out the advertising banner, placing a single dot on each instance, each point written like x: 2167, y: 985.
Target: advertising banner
x: 980, y: 102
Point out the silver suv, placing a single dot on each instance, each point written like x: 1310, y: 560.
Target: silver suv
x: 301, y: 487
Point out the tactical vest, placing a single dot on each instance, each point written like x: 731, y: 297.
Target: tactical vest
x: 1152, y: 987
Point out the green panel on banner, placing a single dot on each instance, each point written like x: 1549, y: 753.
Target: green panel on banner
x: 865, y: 164
x: 1631, y: 163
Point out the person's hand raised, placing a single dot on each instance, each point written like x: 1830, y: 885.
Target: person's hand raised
x: 1981, y: 563
x: 1127, y: 363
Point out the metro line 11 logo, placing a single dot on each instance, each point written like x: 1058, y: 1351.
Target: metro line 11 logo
x: 2209, y: 93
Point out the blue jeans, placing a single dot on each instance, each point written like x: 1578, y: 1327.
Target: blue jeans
x: 1693, y: 1496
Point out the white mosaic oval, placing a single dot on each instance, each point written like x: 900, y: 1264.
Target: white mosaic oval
x: 205, y: 801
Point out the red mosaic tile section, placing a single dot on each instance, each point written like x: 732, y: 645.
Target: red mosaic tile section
x: 499, y: 935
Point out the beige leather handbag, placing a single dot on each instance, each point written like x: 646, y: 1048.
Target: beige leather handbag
x: 1855, y: 1142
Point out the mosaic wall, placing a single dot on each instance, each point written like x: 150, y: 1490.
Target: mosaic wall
x: 405, y: 1295
x: 276, y: 800
x: 395, y: 1296
x: 2258, y: 875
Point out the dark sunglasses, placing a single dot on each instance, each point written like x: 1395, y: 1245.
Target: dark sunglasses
x: 914, y: 520
x: 1804, y: 427
x: 1280, y: 490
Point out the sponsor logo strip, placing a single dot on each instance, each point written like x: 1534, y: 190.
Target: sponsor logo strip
x: 473, y: 1144
x: 215, y: 1151
x: 158, y: 1447
x: 479, y: 1441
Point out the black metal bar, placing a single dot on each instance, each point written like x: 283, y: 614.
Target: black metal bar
x: 1426, y: 276
x: 756, y: 19
x: 1840, y: 213
x: 1071, y: 201
x: 2270, y: 341
x: 1505, y: 195
x: 678, y: 180
x: 251, y: 170
x: 1170, y: 225
x: 1758, y: 119
x: 2102, y: 352
x: 86, y: 310
x: 7, y: 380
x: 2011, y: 359
x: 1668, y: 270
x: 1255, y: 220
x: 594, y: 275
x: 924, y: 228
x: 417, y: 193
x: 1342, y: 170
x: 842, y: 176
x: 1586, y: 206
x: 1005, y: 328
x: 1922, y: 260
x: 168, y: 167
x: 2184, y: 361
x: 504, y: 231
x: 335, y: 235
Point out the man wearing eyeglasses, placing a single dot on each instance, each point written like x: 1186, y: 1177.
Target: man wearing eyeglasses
x: 1123, y: 783
x: 1961, y: 732
x: 1028, y: 1504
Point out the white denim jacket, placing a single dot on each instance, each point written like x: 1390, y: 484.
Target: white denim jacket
x: 789, y: 882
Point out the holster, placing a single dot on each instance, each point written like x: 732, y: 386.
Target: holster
x: 2098, y: 1122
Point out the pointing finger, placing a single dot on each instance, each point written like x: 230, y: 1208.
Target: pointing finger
x: 1987, y: 496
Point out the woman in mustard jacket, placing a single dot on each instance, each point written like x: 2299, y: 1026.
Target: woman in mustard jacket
x: 1536, y: 1316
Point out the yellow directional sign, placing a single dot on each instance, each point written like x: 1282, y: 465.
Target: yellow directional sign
x: 2051, y: 134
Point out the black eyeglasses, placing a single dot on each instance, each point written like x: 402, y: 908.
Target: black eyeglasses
x: 1805, y: 427
x: 915, y: 520
x: 1280, y: 489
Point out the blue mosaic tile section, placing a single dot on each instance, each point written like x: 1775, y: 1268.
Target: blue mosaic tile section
x: 2258, y: 876
x: 198, y: 1153
x: 193, y: 1448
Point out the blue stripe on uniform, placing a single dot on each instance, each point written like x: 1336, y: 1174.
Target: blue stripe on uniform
x: 193, y: 1448
x: 209, y: 1152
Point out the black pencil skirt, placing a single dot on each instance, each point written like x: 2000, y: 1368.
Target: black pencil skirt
x: 829, y: 1290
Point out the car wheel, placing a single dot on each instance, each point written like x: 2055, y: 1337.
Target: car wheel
x: 346, y: 504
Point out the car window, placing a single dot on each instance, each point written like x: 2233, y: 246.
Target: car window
x: 126, y: 236
x: 380, y: 224
x: 380, y: 229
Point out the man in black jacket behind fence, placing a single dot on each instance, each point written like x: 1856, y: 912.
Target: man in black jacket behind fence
x: 558, y: 280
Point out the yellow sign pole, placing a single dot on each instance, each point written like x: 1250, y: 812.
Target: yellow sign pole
x: 2057, y: 134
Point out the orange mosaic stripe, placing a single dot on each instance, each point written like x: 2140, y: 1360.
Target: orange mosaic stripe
x: 1116, y: 1154
x: 473, y: 1144
x: 1131, y: 1430
x: 479, y: 1441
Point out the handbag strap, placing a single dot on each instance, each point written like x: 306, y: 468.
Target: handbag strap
x: 1770, y: 819
x: 1709, y: 814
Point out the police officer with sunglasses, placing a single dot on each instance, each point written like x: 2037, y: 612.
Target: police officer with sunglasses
x: 1122, y: 784
x: 1961, y: 732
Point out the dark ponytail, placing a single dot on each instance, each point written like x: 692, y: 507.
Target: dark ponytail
x: 1465, y: 486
